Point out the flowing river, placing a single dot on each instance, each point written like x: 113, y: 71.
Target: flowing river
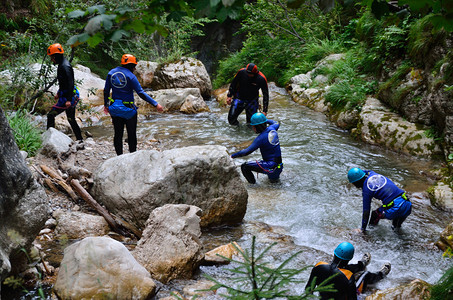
x: 314, y: 204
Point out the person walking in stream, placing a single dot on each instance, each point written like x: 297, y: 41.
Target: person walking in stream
x: 122, y: 82
x: 244, y: 93
x: 268, y: 143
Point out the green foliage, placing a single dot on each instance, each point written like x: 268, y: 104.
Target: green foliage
x: 27, y: 136
x: 256, y: 279
x: 443, y: 289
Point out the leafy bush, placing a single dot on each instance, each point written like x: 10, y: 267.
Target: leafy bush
x: 27, y: 136
x: 443, y: 289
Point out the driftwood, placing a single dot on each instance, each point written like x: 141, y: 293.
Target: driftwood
x: 115, y: 223
x: 59, y: 180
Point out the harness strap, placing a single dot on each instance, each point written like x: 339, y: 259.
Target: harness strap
x: 279, y: 166
x: 391, y: 203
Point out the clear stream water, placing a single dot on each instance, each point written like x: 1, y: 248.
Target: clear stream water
x: 314, y: 204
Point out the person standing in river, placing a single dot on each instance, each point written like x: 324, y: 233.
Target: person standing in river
x: 396, y: 206
x: 349, y: 279
x: 268, y: 143
x: 122, y: 81
x: 67, y: 95
x: 244, y: 93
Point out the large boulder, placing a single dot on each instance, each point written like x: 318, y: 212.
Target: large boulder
x: 378, y: 125
x: 131, y: 185
x: 102, y: 268
x: 187, y: 72
x: 23, y: 204
x: 186, y: 100
x: 170, y: 246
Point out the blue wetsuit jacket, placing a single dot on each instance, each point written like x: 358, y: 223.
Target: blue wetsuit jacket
x: 268, y: 143
x: 123, y: 83
x: 380, y: 187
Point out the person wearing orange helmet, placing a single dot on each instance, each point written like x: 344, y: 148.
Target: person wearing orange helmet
x: 122, y: 82
x: 243, y: 93
x: 67, y: 96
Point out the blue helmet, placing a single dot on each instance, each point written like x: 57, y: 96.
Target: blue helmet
x: 355, y: 174
x: 258, y: 118
x: 344, y: 251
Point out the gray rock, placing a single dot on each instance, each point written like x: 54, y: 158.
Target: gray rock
x: 78, y: 225
x: 100, y: 267
x: 55, y: 143
x: 131, y: 185
x: 23, y: 204
x: 170, y: 247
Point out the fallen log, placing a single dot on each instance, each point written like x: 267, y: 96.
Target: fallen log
x: 93, y: 203
x: 59, y: 180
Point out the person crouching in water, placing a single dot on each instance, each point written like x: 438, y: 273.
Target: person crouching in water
x: 396, y: 206
x: 269, y: 145
x: 349, y: 279
x: 122, y: 81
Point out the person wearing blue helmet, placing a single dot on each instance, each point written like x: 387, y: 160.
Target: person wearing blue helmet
x: 349, y: 279
x: 268, y: 143
x: 243, y: 93
x: 396, y: 205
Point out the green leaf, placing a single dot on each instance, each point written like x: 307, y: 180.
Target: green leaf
x: 138, y: 26
x: 96, y: 8
x: 95, y: 39
x: 76, y: 14
x: 214, y: 3
x: 416, y: 5
x: 123, y: 9
x: 118, y: 34
x: 295, y: 3
x: 78, y: 39
x: 440, y: 22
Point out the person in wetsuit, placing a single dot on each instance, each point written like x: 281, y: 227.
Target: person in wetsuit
x: 122, y: 81
x: 396, y: 205
x: 349, y: 279
x: 268, y: 143
x: 67, y: 96
x: 244, y: 93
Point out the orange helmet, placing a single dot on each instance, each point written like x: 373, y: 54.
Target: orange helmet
x: 55, y: 48
x: 128, y: 59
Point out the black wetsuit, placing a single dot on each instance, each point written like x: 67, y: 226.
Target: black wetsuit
x: 65, y: 77
x: 344, y: 282
x: 245, y: 93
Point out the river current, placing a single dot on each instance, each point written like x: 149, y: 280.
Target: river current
x: 314, y: 204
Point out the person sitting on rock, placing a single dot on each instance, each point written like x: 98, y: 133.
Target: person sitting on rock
x: 268, y: 143
x: 396, y: 205
x: 348, y: 279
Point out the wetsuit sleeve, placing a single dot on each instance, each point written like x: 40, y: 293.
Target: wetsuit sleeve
x: 275, y: 124
x: 107, y: 88
x: 255, y: 145
x: 312, y: 277
x: 265, y: 90
x: 66, y: 80
x: 366, y: 200
x: 233, y: 86
x: 141, y: 93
